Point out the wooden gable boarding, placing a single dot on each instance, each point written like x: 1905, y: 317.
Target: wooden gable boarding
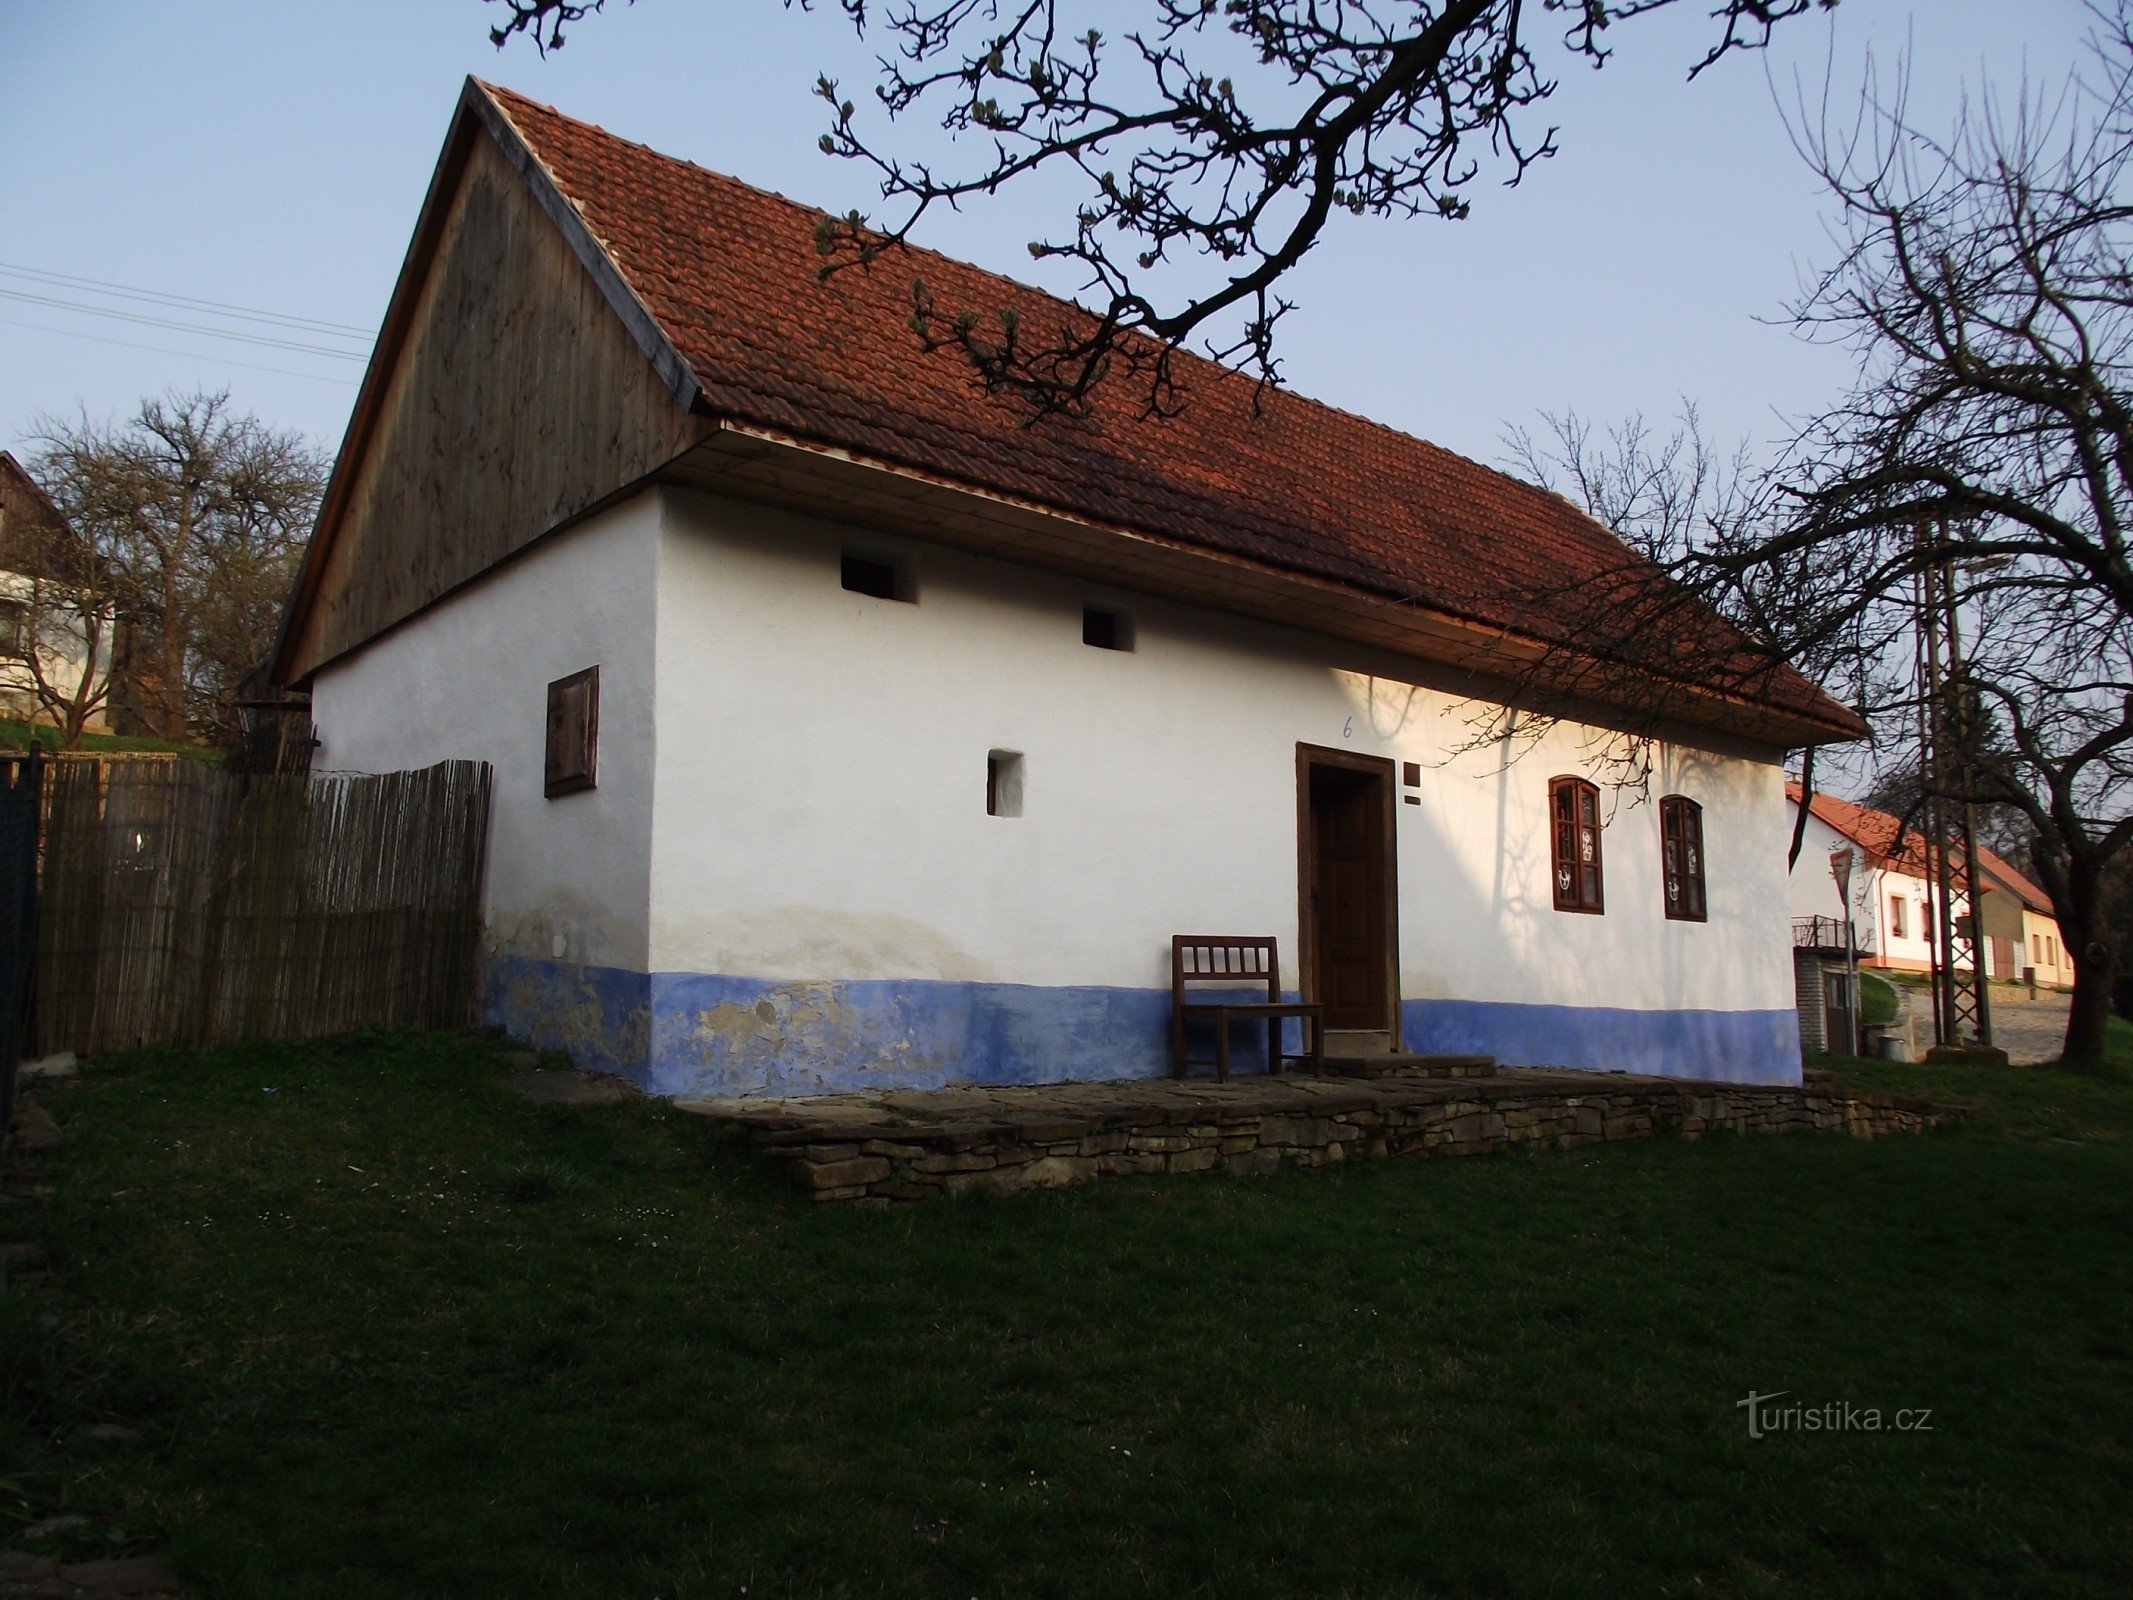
x: 508, y: 395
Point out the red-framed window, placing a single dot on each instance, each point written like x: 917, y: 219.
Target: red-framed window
x: 1681, y: 857
x: 1574, y: 809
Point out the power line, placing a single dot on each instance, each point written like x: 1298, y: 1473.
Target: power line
x: 165, y: 350
x: 182, y: 301
x: 183, y: 327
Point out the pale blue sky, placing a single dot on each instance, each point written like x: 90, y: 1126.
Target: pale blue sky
x: 271, y: 154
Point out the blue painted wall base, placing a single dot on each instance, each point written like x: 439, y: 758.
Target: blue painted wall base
x: 687, y: 1033
x: 1725, y: 1046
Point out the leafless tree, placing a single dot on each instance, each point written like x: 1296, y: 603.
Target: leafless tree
x: 201, y: 516
x: 1669, y: 624
x: 58, y: 608
x: 1210, y: 146
x: 1984, y: 285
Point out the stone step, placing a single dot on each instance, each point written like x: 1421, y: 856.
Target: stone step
x: 1406, y: 1065
x: 1358, y: 1042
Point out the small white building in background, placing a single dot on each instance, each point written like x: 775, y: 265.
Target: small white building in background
x: 36, y: 550
x: 852, y: 729
x: 1895, y: 903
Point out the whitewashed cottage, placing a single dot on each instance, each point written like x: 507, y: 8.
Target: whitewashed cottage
x: 851, y: 729
x: 1895, y: 900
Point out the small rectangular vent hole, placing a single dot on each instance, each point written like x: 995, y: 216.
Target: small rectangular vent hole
x: 1106, y: 630
x: 871, y: 576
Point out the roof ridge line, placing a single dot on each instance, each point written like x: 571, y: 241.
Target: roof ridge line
x: 1223, y: 374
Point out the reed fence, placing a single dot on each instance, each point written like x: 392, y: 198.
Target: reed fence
x: 21, y: 778
x: 181, y: 904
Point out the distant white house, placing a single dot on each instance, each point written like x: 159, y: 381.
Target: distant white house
x: 1895, y: 903
x: 851, y: 728
x: 39, y: 565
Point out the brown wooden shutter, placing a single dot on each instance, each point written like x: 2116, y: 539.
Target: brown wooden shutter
x: 573, y: 733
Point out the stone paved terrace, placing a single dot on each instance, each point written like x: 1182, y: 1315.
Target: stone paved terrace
x: 888, y: 1146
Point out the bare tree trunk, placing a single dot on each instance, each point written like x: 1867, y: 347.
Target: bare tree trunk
x: 2085, y: 931
x: 1807, y: 798
x: 170, y: 691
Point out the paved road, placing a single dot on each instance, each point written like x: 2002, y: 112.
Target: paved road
x: 2028, y: 1030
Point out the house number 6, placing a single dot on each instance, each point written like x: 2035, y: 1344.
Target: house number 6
x: 1348, y: 729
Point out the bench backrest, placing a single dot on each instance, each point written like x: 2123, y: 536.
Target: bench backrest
x: 1225, y: 959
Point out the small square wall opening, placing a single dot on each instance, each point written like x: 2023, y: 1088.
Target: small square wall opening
x: 1106, y: 629
x: 879, y: 577
x: 1003, y: 783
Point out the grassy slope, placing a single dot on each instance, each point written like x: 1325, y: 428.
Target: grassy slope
x: 386, y: 1330
x: 17, y: 736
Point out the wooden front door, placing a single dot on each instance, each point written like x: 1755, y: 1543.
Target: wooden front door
x: 1837, y: 1014
x: 1348, y: 890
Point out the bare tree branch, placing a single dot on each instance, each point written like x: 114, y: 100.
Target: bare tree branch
x: 1211, y: 147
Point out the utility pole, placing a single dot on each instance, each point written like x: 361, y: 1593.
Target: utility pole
x: 1963, y: 727
x: 1946, y: 763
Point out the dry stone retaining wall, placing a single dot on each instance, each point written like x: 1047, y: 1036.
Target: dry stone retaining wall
x: 886, y: 1150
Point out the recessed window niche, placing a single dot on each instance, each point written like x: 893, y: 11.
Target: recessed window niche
x: 1003, y: 783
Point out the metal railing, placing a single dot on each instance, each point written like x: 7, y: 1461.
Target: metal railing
x: 1818, y: 933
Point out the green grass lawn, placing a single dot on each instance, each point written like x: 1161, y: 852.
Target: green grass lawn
x: 18, y: 736
x: 380, y: 1328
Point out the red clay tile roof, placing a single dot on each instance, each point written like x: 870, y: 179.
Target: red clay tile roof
x: 2016, y: 883
x: 1877, y: 833
x: 731, y: 275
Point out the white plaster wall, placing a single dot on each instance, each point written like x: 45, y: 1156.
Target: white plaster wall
x: 821, y: 781
x: 468, y: 679
x: 1920, y: 917
x: 1812, y: 892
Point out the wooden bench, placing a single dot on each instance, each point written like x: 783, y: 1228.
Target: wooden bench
x: 1200, y: 958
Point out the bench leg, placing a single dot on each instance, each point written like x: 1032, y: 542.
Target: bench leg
x: 1222, y: 1046
x: 1177, y: 1042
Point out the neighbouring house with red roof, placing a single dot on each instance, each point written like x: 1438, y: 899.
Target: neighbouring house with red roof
x: 1895, y: 896
x: 852, y: 727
